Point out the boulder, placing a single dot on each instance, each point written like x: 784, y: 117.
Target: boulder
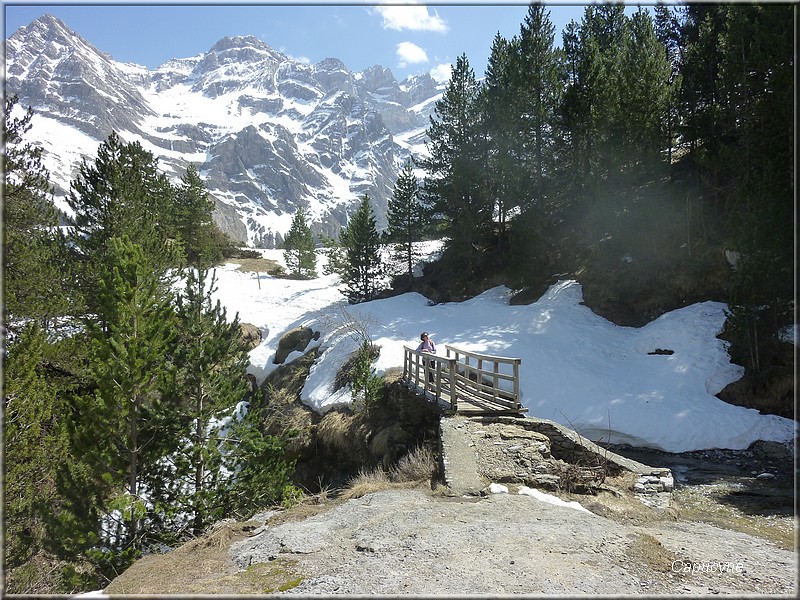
x: 251, y: 335
x: 295, y: 340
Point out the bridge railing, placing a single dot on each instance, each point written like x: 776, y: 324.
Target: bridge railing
x: 431, y: 373
x: 494, y: 378
x: 464, y: 376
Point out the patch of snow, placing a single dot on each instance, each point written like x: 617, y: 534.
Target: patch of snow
x: 526, y: 491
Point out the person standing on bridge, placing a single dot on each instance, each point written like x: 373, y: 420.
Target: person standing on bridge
x: 427, y: 345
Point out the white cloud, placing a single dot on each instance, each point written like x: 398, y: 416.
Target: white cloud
x: 441, y: 73
x: 301, y: 59
x: 412, y: 17
x: 410, y: 54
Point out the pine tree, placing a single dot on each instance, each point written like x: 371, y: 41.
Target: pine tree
x: 122, y: 194
x: 499, y: 101
x: 128, y: 359
x: 455, y: 166
x: 261, y: 474
x: 194, y: 225
x: 36, y: 443
x: 669, y: 23
x: 755, y: 157
x: 362, y: 269
x: 334, y: 254
x: 645, y: 95
x: 33, y: 252
x: 365, y: 385
x: 538, y: 86
x: 407, y: 220
x: 211, y: 379
x: 299, y: 250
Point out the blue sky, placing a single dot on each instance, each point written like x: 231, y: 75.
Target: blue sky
x: 406, y: 38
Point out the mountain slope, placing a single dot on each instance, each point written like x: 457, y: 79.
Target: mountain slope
x: 268, y: 133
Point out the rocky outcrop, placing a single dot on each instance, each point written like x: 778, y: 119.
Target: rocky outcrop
x: 535, y: 453
x: 295, y: 340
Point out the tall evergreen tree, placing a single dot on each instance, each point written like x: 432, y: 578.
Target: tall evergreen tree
x: 194, y: 225
x: 500, y: 104
x: 539, y: 83
x: 36, y: 443
x: 211, y: 379
x: 407, y: 220
x: 645, y: 95
x: 592, y: 115
x: 455, y: 166
x: 32, y: 250
x: 669, y: 30
x: 362, y: 269
x: 261, y: 474
x: 128, y: 358
x: 122, y: 194
x: 299, y: 249
x: 756, y: 156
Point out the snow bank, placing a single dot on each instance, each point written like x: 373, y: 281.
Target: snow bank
x: 652, y: 386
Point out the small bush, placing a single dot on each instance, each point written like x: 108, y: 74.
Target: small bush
x: 277, y: 271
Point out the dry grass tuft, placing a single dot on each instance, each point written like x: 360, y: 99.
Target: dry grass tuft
x: 254, y: 265
x: 367, y: 482
x: 335, y: 430
x: 220, y: 535
x: 417, y: 465
x: 648, y: 550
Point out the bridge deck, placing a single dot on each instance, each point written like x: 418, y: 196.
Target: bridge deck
x: 469, y: 404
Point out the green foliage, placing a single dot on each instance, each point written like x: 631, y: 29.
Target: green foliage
x: 361, y: 270
x: 122, y: 194
x: 202, y: 241
x: 260, y: 472
x: 367, y: 388
x: 128, y: 358
x: 455, y: 167
x: 299, y: 249
x: 407, y: 220
x: 334, y: 253
x: 211, y: 379
x: 33, y: 252
x: 35, y: 442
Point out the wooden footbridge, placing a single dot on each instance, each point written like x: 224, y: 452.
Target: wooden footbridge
x: 465, y: 382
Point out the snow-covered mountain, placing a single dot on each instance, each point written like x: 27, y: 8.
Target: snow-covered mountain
x: 267, y: 133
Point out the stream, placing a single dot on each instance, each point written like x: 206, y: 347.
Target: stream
x: 751, y: 490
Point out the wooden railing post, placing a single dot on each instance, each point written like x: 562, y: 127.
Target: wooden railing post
x: 495, y: 379
x: 451, y: 367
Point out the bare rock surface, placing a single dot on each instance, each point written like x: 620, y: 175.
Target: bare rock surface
x: 700, y: 540
x: 413, y: 542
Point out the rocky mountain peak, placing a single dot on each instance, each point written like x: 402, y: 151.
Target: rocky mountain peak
x: 267, y: 133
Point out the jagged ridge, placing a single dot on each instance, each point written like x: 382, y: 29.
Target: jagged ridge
x: 268, y: 133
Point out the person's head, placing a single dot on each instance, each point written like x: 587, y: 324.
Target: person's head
x: 424, y: 336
